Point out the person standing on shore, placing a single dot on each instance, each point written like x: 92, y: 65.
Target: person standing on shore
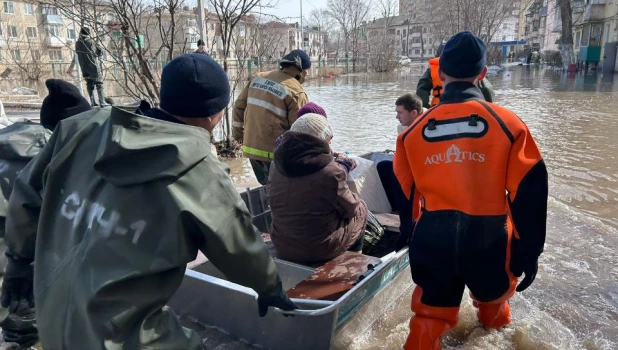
x: 89, y: 54
x: 483, y: 216
x: 267, y: 107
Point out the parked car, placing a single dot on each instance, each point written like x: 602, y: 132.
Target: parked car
x: 404, y: 60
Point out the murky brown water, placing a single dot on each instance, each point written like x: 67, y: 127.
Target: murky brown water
x: 574, y: 302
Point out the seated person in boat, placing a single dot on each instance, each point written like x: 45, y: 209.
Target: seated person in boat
x: 314, y: 108
x: 316, y: 216
x: 408, y: 107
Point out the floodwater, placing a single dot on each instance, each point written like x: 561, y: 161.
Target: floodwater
x: 573, y: 303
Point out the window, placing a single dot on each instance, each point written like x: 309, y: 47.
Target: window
x: 607, y: 33
x: 12, y: 31
x: 36, y: 55
x: 71, y: 34
x: 31, y: 32
x: 49, y: 10
x: 504, y: 26
x: 28, y: 9
x: 417, y: 51
x: 504, y: 38
x: 8, y: 7
x: 52, y: 31
x: 16, y: 55
x: 55, y: 55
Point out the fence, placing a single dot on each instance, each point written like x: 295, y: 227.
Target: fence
x: 33, y: 74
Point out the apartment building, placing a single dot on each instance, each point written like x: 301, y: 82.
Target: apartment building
x: 34, y: 38
x: 543, y: 25
x: 309, y: 39
x: 412, y: 38
x: 595, y: 30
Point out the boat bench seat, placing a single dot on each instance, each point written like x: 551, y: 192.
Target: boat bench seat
x: 389, y: 221
x: 335, y: 278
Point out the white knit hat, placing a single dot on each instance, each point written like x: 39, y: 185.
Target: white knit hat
x: 314, y: 125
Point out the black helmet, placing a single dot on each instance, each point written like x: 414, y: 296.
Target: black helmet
x: 297, y: 59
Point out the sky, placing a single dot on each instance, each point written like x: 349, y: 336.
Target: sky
x: 286, y: 9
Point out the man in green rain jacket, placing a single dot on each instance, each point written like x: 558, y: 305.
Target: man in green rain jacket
x: 19, y: 143
x: 117, y: 204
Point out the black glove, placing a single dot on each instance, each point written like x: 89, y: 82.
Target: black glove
x: 521, y: 264
x: 17, y: 286
x: 275, y: 298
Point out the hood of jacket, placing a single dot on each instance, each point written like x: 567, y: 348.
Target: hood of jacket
x: 301, y: 154
x: 136, y: 149
x: 22, y: 140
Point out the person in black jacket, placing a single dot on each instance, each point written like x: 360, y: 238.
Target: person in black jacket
x: 88, y: 54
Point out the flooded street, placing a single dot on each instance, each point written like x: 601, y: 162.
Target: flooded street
x: 573, y: 303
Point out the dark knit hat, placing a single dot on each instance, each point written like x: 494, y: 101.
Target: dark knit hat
x: 463, y: 56
x: 63, y: 101
x: 297, y: 58
x: 194, y: 86
x: 200, y: 42
x: 311, y: 108
x: 85, y: 31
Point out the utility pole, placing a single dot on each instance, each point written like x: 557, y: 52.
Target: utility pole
x: 79, y: 69
x: 302, y: 37
x: 200, y: 19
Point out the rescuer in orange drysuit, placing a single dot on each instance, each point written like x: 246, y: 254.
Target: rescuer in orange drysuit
x: 483, y: 185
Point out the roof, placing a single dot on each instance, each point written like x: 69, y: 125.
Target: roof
x: 391, y: 21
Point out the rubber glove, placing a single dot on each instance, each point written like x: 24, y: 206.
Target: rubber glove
x: 522, y: 264
x: 275, y: 298
x: 17, y: 293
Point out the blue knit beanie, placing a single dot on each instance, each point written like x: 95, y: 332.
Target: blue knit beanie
x: 194, y: 86
x: 463, y: 56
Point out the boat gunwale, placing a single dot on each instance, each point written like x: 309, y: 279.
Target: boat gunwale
x: 334, y: 306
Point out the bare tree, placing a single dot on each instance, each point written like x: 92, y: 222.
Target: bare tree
x: 23, y: 50
x: 349, y: 15
x: 566, y: 42
x: 481, y: 17
x: 132, y: 34
x: 230, y: 13
x: 271, y: 40
x: 381, y: 39
x: 321, y: 19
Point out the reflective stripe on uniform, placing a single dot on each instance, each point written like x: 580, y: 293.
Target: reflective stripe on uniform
x: 258, y: 152
x: 238, y: 124
x: 269, y: 86
x: 271, y: 107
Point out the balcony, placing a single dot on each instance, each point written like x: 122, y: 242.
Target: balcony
x: 54, y: 41
x: 578, y: 6
x: 594, y: 12
x: 193, y: 46
x: 53, y: 19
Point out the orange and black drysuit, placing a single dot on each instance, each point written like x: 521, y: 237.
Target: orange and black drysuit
x: 483, y: 185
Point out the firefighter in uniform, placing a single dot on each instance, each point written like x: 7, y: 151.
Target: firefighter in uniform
x: 430, y: 85
x: 267, y: 107
x: 483, y: 188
